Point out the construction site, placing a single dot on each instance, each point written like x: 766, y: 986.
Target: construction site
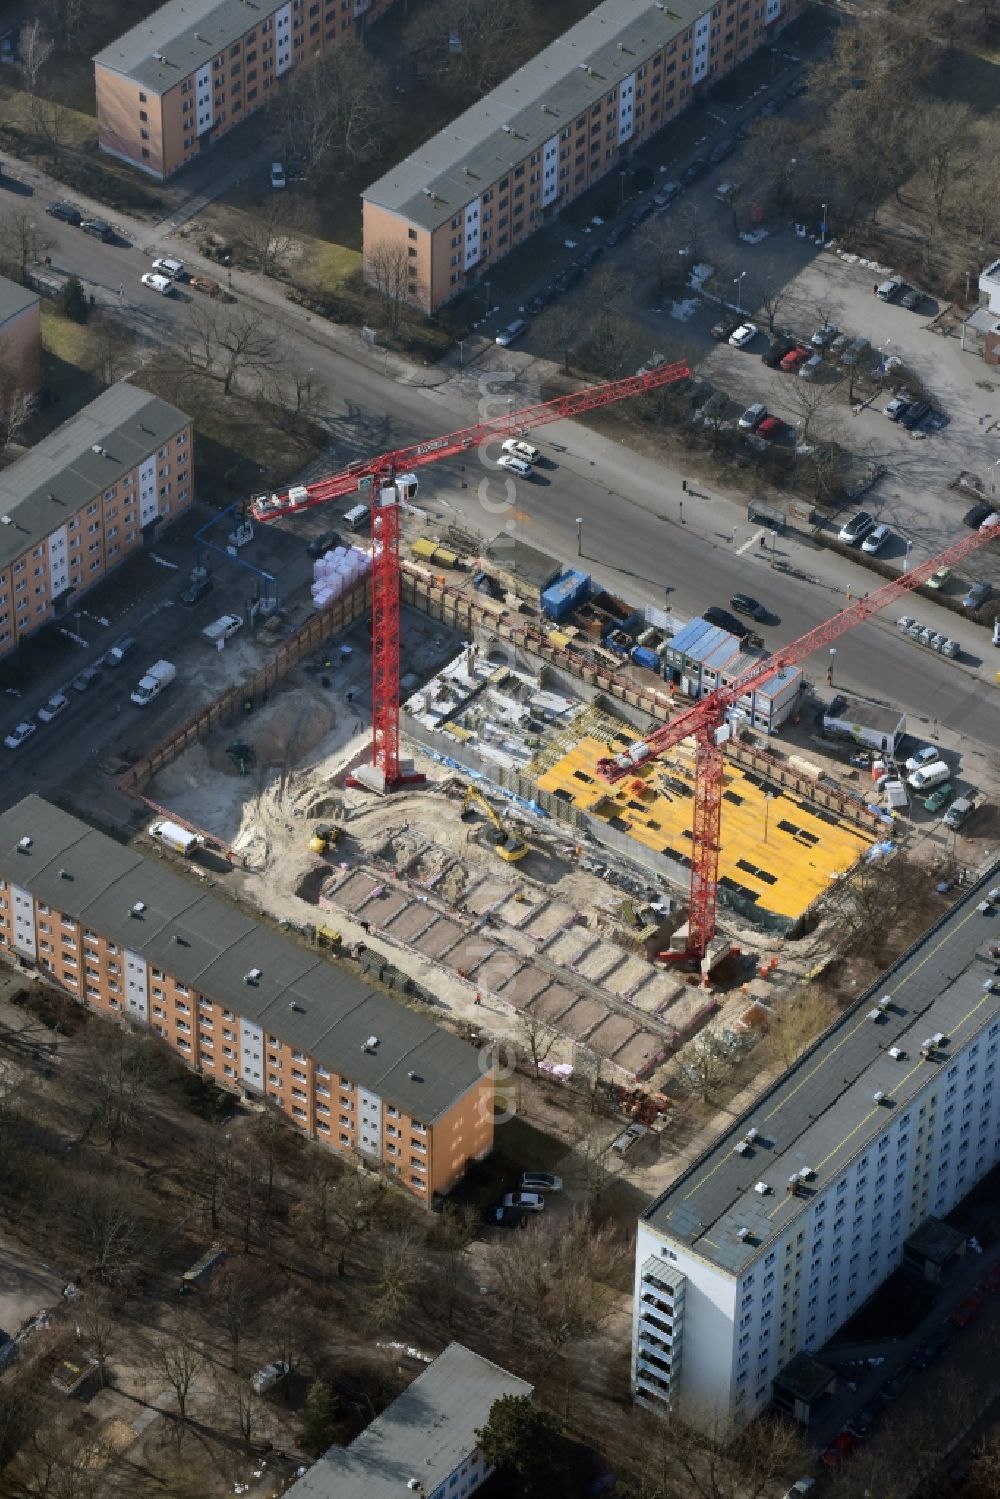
x: 456, y: 782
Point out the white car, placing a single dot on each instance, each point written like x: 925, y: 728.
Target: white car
x: 744, y: 334
x: 277, y: 174
x: 57, y: 703
x: 532, y: 1202
x: 990, y: 521
x: 876, y: 539
x: 168, y: 265
x: 265, y: 1379
x: 155, y: 282
x: 19, y: 733
x: 520, y: 449
x: 515, y: 465
x: 923, y: 756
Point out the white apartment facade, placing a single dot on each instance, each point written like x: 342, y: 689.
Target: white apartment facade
x: 782, y: 1230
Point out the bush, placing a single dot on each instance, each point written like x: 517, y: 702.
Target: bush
x: 72, y: 301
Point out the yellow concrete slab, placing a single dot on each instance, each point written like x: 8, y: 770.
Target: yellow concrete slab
x: 778, y: 850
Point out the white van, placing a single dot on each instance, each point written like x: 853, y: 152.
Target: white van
x: 159, y: 675
x: 934, y: 774
x: 357, y: 517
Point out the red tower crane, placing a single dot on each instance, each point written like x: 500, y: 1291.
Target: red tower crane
x: 390, y: 480
x: 706, y: 723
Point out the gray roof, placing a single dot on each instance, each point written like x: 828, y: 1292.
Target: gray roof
x: 861, y: 711
x: 531, y: 566
x: 43, y: 489
x: 186, y: 34
x: 822, y: 1112
x: 426, y: 1432
x: 14, y: 299
x: 313, y: 1005
x: 529, y: 107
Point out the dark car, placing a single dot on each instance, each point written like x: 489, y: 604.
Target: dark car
x: 323, y: 543
x: 642, y: 213
x: 911, y: 419
x: 196, y: 591
x: 861, y: 1425
x: 931, y: 1350
x: 99, y: 228
x: 726, y: 621
x: 617, y: 234
x: 65, y: 211
x: 725, y: 327
x: 590, y: 254
x: 975, y: 517
x: 894, y: 1387
x: 721, y: 150
x: 694, y: 170
x: 570, y: 276
x: 507, y: 1217
x: 744, y: 604
x: 771, y: 428
x: 776, y: 352
x: 911, y: 299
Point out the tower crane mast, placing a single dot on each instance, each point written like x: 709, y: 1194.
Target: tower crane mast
x: 706, y: 722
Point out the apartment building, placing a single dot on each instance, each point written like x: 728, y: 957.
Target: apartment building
x: 260, y: 1014
x: 793, y: 1218
x: 424, y: 1442
x: 184, y: 77
x: 20, y: 339
x: 573, y: 114
x: 84, y: 499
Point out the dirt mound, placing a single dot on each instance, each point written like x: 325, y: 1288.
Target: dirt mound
x: 280, y: 734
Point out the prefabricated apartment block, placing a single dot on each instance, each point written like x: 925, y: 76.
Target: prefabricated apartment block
x: 83, y: 499
x: 175, y: 83
x: 568, y: 117
x: 780, y: 1231
x: 259, y: 1013
x: 20, y: 339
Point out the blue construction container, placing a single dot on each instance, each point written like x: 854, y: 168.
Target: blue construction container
x: 643, y: 656
x: 563, y: 596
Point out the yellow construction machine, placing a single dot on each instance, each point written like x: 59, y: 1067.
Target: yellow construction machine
x: 324, y: 837
x: 507, y: 845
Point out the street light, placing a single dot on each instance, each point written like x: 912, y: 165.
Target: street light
x: 735, y: 532
x: 829, y: 670
x: 822, y: 230
x: 906, y: 559
x: 738, y: 283
x: 774, y: 543
x: 486, y: 297
x: 579, y: 536
x: 682, y: 512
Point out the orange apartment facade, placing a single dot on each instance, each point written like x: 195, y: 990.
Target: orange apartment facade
x: 85, y: 498
x: 574, y: 113
x: 260, y: 1014
x: 195, y: 68
x: 20, y: 338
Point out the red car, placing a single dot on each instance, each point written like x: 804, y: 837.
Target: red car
x: 967, y: 1311
x: 771, y: 428
x: 793, y: 359
x: 840, y: 1449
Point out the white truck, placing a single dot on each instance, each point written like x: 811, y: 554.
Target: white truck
x: 222, y: 629
x: 159, y: 675
x: 180, y: 839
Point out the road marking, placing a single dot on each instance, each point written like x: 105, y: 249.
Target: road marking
x: 753, y: 542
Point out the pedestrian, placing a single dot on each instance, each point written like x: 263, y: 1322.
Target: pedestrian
x: 875, y: 288
x: 763, y: 543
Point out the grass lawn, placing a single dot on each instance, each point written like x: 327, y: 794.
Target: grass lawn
x: 78, y: 129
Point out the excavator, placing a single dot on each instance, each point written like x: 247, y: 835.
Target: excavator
x: 508, y: 846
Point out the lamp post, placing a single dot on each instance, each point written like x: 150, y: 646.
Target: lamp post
x: 681, y: 504
x: 774, y: 543
x: 579, y: 536
x: 822, y: 230
x: 735, y: 532
x: 906, y: 559
x: 738, y: 283
x: 829, y: 670
x: 486, y: 297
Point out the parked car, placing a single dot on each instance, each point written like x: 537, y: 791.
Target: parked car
x: 975, y: 516
x: 839, y: 344
x: 931, y: 1350
x: 590, y: 254
x: 529, y: 1202
x: 98, y: 229
x: 652, y: 363
x: 508, y: 1217
x: 723, y: 620
x: 894, y: 1387
x: 56, y: 704
x: 721, y: 150
x: 161, y: 284
x: 771, y: 428
x: 861, y: 1425
x: 967, y: 1311
x: 642, y: 213
x: 744, y: 604
x: 169, y: 265
x: 540, y: 1181
x: 615, y: 237
x: 800, y: 1486
x: 196, y: 591
x: 977, y: 595
x: 839, y: 1450
x: 629, y: 1137
x: 66, y: 212
x: 323, y: 543
x: 520, y: 449
x: 265, y: 1379
x: 824, y: 335
x: 857, y: 528
x: 911, y: 299
x: 776, y: 351
x: 923, y: 756
x: 915, y: 414
x: 793, y: 359
x: 693, y: 171
x: 938, y: 579
x: 876, y: 539
x: 811, y: 368
x: 117, y: 654
x: 512, y: 331
x: 851, y: 355
x: 724, y: 328
x: 940, y: 798
x: 84, y: 679
x: 277, y: 174
x: 753, y: 416
x: 666, y: 194
x: 19, y: 733
x: 898, y: 407
x: 744, y: 334
x: 515, y: 465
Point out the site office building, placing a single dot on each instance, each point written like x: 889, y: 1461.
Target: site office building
x: 794, y: 1217
x: 550, y: 131
x: 195, y: 68
x: 260, y: 1014
x: 84, y: 499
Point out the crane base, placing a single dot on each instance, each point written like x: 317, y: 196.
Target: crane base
x: 372, y: 778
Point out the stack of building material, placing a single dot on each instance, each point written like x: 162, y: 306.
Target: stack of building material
x: 337, y: 571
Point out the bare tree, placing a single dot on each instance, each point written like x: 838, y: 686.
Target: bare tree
x: 334, y: 118
x: 113, y: 347
x: 34, y: 48
x: 66, y: 18
x: 17, y: 407
x: 872, y: 905
x: 704, y: 1066
x: 106, y: 1225
x: 239, y: 1398
x: 179, y: 1360
x: 536, y: 1039
x: 269, y: 234
x: 560, y: 329
x: 226, y: 344
x: 947, y: 147
x: 454, y: 1231
x: 386, y: 268
x: 492, y: 35
x: 98, y: 1322
x: 239, y: 1292
x: 793, y: 1025
x: 116, y: 1069
x: 662, y: 1458
x: 22, y: 243
x: 356, y: 1205
x: 397, y: 1272
x: 773, y: 290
